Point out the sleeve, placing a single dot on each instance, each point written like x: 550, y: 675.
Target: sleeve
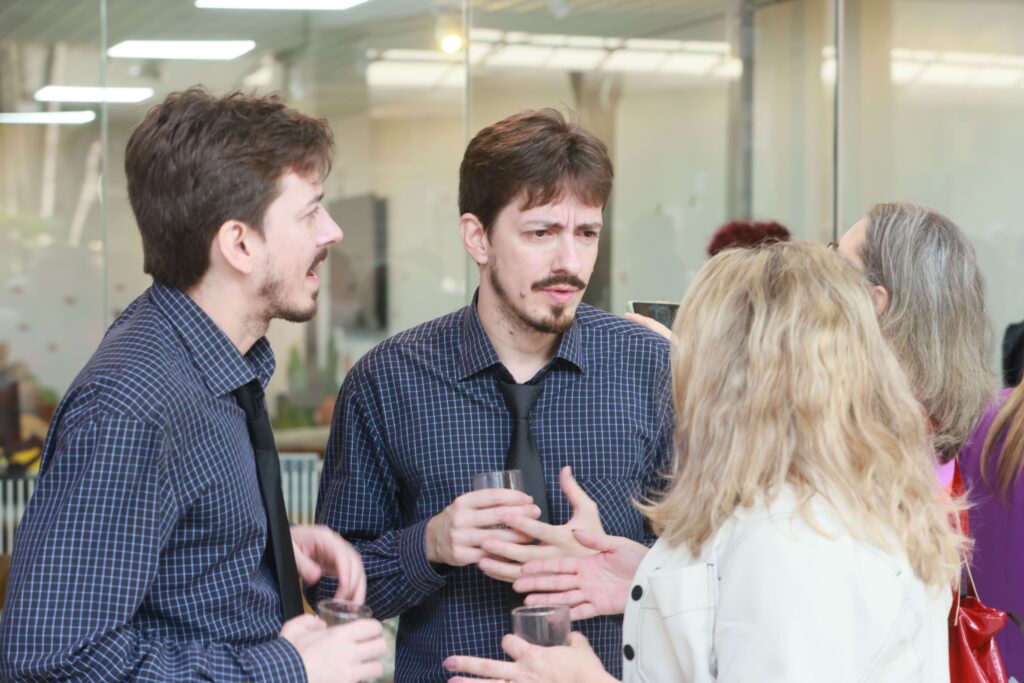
x: 87, y: 555
x: 795, y: 606
x: 662, y: 460
x: 359, y: 499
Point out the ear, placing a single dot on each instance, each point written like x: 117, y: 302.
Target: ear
x: 236, y: 245
x: 880, y: 297
x: 474, y: 238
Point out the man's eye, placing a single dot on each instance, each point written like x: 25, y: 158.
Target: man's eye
x: 540, y: 233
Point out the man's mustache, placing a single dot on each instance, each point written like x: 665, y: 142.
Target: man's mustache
x: 320, y: 258
x: 553, y: 280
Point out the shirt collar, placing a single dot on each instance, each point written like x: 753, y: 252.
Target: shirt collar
x: 478, y: 354
x: 219, y: 362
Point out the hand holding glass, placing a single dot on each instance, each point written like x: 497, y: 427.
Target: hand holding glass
x: 544, y: 625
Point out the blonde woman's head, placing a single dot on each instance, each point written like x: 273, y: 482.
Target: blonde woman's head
x: 781, y: 378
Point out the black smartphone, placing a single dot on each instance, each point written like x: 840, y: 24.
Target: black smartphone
x: 663, y: 312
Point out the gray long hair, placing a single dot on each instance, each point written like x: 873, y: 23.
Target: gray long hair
x: 936, y: 322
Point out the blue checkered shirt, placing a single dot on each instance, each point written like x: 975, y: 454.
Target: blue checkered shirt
x: 139, y: 556
x: 421, y: 413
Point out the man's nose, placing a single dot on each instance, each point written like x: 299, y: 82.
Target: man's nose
x: 330, y: 232
x: 567, y: 259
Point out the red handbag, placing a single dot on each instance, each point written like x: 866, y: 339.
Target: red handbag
x: 973, y: 655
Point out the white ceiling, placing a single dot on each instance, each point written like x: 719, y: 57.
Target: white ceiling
x: 79, y: 20
x: 337, y: 42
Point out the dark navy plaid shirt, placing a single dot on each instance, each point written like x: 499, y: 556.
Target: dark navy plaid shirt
x: 139, y: 556
x: 421, y: 413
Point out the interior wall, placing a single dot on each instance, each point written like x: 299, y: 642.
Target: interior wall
x: 952, y: 147
x: 669, y: 190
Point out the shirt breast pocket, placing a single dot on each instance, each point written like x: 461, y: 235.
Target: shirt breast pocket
x: 614, y: 497
x: 687, y: 599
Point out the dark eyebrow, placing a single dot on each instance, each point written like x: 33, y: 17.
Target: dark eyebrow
x: 312, y: 202
x: 560, y: 226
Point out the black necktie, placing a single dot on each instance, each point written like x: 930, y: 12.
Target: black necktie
x: 522, y: 450
x: 268, y: 471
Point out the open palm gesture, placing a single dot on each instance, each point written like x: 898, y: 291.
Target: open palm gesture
x: 591, y: 585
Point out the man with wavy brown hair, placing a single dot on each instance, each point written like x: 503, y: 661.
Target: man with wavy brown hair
x: 156, y: 546
x: 429, y: 408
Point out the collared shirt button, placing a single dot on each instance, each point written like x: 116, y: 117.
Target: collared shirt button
x: 637, y: 593
x: 627, y: 652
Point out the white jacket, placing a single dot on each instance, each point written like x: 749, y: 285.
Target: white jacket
x: 771, y: 600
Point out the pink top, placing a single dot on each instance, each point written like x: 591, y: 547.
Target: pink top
x: 944, y: 473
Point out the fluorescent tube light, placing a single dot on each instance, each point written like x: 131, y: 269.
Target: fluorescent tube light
x: 549, y: 39
x: 181, y: 49
x: 520, y: 56
x: 712, y: 46
x: 421, y: 75
x: 901, y: 71
x: 487, y: 35
x: 651, y: 44
x: 585, y: 41
x: 576, y: 58
x: 409, y: 75
x: 690, y: 63
x: 946, y: 74
x: 730, y: 68
x: 995, y: 77
x: 70, y: 93
x: 403, y: 55
x: 634, y: 60
x: 42, y: 117
x: 279, y: 4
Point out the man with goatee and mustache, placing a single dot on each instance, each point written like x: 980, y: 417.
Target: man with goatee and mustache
x: 525, y: 377
x: 156, y: 546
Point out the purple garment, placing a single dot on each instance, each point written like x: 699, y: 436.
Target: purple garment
x: 998, y: 532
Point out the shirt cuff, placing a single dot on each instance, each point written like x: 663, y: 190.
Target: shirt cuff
x: 276, y: 660
x: 412, y: 555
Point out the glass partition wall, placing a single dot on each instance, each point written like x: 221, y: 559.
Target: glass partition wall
x: 712, y: 109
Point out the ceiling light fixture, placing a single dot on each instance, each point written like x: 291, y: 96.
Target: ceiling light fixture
x: 279, y: 4
x: 69, y: 93
x: 451, y: 43
x: 181, y: 49
x: 46, y: 117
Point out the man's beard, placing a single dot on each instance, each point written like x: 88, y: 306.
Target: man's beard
x: 276, y: 307
x: 271, y: 293
x: 558, y: 322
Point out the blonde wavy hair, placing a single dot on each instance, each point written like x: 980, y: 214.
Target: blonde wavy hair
x: 781, y: 377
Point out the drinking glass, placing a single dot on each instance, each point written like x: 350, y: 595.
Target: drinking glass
x: 545, y: 625
x: 337, y: 612
x: 502, y: 479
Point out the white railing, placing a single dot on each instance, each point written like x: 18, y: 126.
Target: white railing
x: 300, y: 479
x: 14, y: 495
